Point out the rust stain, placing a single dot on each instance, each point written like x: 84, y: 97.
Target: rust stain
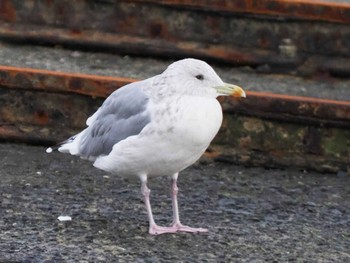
x: 305, y: 9
x: 41, y: 117
x: 76, y: 83
x: 157, y: 29
x: 7, y: 11
x: 211, y: 153
x: 245, y: 142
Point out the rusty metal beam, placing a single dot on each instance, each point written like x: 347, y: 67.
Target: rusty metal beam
x: 141, y: 46
x: 41, y: 106
x: 296, y: 109
x: 301, y: 9
x: 254, y: 141
x: 265, y: 105
x: 52, y: 81
x: 210, y: 30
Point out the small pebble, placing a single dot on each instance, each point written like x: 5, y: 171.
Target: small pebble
x: 64, y: 218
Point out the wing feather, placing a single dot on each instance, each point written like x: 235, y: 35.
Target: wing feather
x: 124, y: 113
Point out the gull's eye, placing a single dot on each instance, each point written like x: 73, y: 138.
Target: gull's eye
x: 200, y: 77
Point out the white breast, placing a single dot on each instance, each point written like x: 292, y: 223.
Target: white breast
x: 198, y: 122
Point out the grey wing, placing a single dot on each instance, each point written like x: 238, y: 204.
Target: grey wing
x: 124, y: 113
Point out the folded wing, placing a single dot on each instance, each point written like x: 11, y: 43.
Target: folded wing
x: 123, y: 114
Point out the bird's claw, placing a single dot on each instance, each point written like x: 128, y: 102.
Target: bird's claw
x: 183, y: 228
x: 177, y: 227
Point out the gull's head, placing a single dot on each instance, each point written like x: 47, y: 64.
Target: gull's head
x: 195, y: 77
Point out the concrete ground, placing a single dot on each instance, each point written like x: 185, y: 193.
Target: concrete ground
x: 253, y: 214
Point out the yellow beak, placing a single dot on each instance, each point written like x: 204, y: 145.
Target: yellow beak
x: 231, y: 90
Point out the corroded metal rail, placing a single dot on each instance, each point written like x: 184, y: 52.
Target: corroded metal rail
x: 43, y: 106
x: 301, y: 9
x: 268, y: 33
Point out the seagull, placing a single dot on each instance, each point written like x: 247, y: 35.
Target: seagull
x: 156, y: 127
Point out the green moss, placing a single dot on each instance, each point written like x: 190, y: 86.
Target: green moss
x: 337, y: 143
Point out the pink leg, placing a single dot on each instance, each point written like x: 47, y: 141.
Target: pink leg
x: 154, y: 229
x: 176, y: 221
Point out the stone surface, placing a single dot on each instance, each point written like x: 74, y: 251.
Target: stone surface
x: 253, y: 214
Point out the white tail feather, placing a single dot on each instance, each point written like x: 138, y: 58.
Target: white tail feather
x: 72, y: 146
